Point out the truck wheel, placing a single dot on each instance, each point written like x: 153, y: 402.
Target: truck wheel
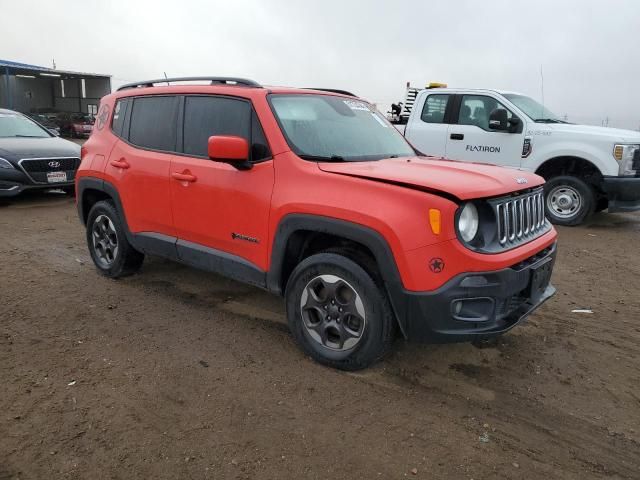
x: 569, y: 200
x: 110, y: 251
x: 337, y: 313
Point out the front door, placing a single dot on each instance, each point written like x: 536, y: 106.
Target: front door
x: 219, y: 207
x: 470, y: 138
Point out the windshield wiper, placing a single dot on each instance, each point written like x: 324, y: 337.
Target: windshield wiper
x: 28, y: 136
x: 320, y: 158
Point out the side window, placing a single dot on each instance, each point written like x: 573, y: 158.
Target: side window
x: 208, y: 116
x: 119, y: 113
x: 434, y: 108
x: 475, y: 110
x: 153, y: 123
x: 259, y: 146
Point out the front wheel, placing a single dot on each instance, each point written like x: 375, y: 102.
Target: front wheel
x: 337, y: 313
x: 569, y: 200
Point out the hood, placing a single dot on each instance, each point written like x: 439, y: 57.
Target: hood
x: 615, y: 134
x: 14, y: 149
x: 462, y: 180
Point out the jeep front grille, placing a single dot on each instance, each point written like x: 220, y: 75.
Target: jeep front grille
x: 520, y: 218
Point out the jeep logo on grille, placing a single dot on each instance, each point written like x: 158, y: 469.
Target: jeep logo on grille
x: 54, y: 164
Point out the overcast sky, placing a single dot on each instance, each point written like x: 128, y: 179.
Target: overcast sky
x: 589, y: 50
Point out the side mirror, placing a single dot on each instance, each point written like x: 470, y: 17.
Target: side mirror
x: 498, y: 119
x: 515, y: 125
x: 230, y: 149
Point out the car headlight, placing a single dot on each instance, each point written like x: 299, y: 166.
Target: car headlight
x: 5, y: 163
x: 468, y: 222
x: 628, y: 156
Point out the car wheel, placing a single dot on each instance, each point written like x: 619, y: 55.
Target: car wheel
x: 337, y: 313
x: 110, y: 250
x: 568, y: 200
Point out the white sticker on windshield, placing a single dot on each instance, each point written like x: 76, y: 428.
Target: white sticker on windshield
x: 354, y: 105
x: 380, y: 121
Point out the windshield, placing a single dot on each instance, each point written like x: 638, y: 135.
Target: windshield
x: 534, y: 110
x: 330, y: 128
x: 15, y: 125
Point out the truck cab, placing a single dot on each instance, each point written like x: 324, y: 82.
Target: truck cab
x: 586, y: 168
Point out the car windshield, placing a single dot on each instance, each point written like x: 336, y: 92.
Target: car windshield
x: 15, y: 125
x: 331, y: 128
x: 534, y: 110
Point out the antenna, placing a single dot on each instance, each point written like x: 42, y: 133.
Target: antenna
x: 542, y: 90
x: 165, y: 77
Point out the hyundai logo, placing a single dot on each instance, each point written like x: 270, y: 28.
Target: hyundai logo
x: 521, y: 180
x: 54, y: 164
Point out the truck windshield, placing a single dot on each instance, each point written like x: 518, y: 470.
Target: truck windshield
x: 14, y: 125
x: 331, y: 128
x: 534, y: 110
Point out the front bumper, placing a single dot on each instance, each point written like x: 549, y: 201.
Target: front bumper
x: 623, y: 193
x: 474, y: 306
x: 14, y: 181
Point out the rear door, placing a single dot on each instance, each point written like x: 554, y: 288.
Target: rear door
x: 222, y: 208
x: 470, y: 138
x: 138, y: 165
x: 427, y: 128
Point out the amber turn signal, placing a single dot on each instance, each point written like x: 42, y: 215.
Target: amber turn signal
x: 434, y: 220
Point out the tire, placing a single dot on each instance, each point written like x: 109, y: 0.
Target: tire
x: 346, y: 341
x: 568, y: 200
x: 112, y: 254
x: 71, y: 191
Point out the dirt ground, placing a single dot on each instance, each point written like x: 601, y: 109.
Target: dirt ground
x: 176, y: 373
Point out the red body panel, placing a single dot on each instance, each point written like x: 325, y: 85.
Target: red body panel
x: 206, y: 202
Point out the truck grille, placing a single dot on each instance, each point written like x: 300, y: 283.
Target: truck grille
x: 37, y: 168
x: 520, y: 218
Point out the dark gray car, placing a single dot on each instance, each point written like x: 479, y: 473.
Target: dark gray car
x: 33, y: 157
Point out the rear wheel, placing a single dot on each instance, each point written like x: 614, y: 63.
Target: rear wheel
x: 110, y: 250
x: 569, y: 200
x: 337, y: 313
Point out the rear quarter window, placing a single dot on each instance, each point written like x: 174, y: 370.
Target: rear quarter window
x: 119, y: 113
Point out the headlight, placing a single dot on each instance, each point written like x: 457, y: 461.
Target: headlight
x: 628, y: 156
x: 5, y: 164
x: 468, y: 222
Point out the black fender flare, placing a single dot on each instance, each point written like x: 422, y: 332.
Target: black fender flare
x: 93, y: 183
x: 361, y: 234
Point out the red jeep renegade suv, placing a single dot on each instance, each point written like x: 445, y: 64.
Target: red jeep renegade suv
x: 312, y: 194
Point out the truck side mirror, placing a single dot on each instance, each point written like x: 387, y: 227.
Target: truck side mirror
x: 498, y: 120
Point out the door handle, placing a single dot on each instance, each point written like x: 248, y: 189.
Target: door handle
x: 122, y: 163
x: 457, y: 136
x: 184, y: 177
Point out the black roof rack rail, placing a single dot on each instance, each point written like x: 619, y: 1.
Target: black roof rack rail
x: 214, y: 81
x: 333, y: 90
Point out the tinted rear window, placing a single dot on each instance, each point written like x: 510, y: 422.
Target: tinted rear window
x: 153, y: 123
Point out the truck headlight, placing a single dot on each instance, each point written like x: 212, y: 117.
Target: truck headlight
x: 468, y: 222
x: 5, y: 163
x: 628, y: 156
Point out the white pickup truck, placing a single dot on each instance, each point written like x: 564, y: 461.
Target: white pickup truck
x: 587, y: 168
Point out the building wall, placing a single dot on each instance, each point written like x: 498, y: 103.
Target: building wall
x: 28, y: 94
